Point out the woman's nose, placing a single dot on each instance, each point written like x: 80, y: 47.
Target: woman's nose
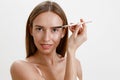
x: 46, y: 35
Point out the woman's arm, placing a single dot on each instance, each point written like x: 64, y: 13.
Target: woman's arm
x: 79, y: 70
x: 70, y: 73
x: 78, y: 37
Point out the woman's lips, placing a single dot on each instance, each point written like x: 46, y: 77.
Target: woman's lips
x: 46, y: 46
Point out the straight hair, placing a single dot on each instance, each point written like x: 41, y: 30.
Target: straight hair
x: 41, y: 8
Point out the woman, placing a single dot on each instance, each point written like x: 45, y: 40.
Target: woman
x: 50, y: 53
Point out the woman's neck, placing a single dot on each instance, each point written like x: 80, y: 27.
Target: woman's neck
x: 46, y: 59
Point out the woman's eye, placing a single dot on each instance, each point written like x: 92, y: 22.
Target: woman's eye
x: 39, y: 29
x: 54, y: 30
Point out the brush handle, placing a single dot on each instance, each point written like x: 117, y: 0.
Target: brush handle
x: 77, y: 24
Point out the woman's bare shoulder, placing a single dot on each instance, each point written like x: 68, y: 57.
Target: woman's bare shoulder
x: 18, y: 64
x: 22, y: 70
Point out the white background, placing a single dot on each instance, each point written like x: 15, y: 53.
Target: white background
x: 99, y: 55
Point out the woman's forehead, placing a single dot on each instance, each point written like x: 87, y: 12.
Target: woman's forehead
x: 48, y: 19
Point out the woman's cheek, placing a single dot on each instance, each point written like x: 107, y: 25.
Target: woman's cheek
x: 57, y: 37
x: 37, y: 38
x: 56, y: 40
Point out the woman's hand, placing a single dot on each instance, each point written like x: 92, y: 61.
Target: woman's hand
x: 78, y: 36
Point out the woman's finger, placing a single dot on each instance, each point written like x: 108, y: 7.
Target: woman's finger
x: 72, y: 28
x: 75, y: 33
x: 83, y: 25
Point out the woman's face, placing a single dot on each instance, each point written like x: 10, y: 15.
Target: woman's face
x: 46, y: 32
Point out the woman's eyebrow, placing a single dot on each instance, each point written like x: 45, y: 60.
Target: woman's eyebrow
x: 38, y: 26
x: 50, y: 27
x: 57, y: 27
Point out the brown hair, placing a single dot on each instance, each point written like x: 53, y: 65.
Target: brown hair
x: 40, y: 8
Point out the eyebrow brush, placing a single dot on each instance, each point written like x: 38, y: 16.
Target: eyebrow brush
x: 80, y: 23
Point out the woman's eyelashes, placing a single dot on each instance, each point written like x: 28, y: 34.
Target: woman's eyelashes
x: 39, y: 29
x: 56, y: 29
x: 52, y: 29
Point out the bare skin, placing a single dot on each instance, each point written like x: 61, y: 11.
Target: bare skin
x: 22, y: 70
x: 51, y: 65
